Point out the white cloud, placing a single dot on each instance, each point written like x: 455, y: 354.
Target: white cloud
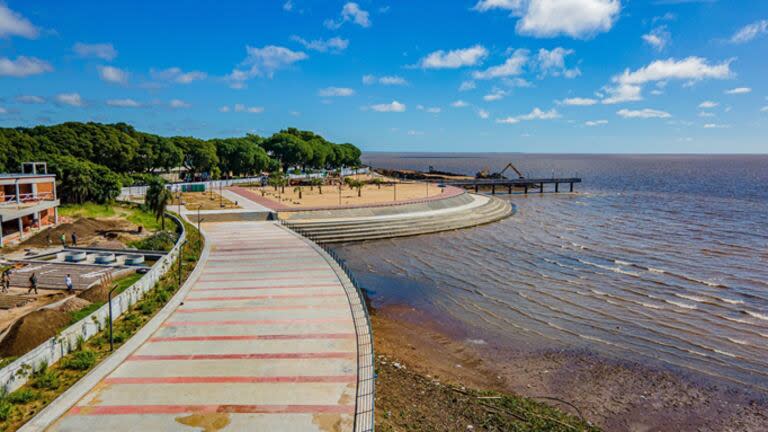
x: 577, y: 101
x: 113, y: 74
x: 264, y: 62
x: 643, y: 113
x: 351, y: 12
x: 738, y: 90
x: 415, y: 132
x: 579, y: 19
x: 177, y: 75
x: 454, y: 59
x: 178, y: 103
x: 552, y: 62
x: 335, y: 92
x: 536, y: 114
x: 243, y: 108
x: 706, y: 114
x: 102, y: 51
x: 224, y: 109
x: 30, y: 99
x: 751, y: 31
x: 431, y: 110
x: 708, y: 104
x: 486, y: 5
x: 628, y: 86
x: 467, y: 85
x: 764, y: 109
x: 657, y: 92
x: 494, y: 95
x: 658, y: 38
x: 516, y: 82
x: 71, y: 99
x: 123, y: 103
x: 395, y: 106
x: 23, y: 66
x: 716, y: 126
x: 334, y: 44
x: 511, y: 67
x: 288, y: 6
x: 593, y: 123
x: 459, y: 104
x: 483, y: 114
x: 13, y: 24
x: 390, y: 80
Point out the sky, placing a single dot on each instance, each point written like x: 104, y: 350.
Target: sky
x: 572, y: 76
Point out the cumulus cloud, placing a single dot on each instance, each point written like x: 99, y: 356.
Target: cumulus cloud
x: 486, y: 5
x: 483, y: 114
x: 178, y: 104
x: 431, y: 110
x: 459, y: 104
x: 467, y: 85
x: 738, y: 90
x: 658, y: 38
x: 288, y: 6
x: 394, y: 106
x: 71, y: 99
x: 264, y: 62
x: 708, y: 104
x: 123, y: 103
x: 552, y: 62
x: 495, y: 95
x: 30, y: 99
x: 104, y: 51
x: 454, y: 59
x: 23, y: 66
x: 334, y: 44
x: 628, y: 86
x: 751, y: 31
x: 177, y: 75
x: 716, y: 126
x: 350, y: 12
x: 243, y: 108
x: 113, y: 75
x: 577, y: 101
x: 593, y: 123
x: 536, y: 114
x: 388, y: 80
x: 511, y: 67
x: 13, y: 24
x: 643, y: 113
x: 335, y: 92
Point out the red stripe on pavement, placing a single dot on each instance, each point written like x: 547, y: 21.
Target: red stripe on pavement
x: 269, y: 269
x: 254, y: 337
x: 232, y: 409
x: 262, y: 297
x: 344, y: 307
x: 254, y: 279
x: 304, y: 286
x: 254, y: 322
x: 232, y: 379
x: 256, y: 356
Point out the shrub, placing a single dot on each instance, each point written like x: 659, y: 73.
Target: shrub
x: 5, y: 409
x: 159, y: 241
x: 46, y: 379
x: 22, y: 396
x: 80, y: 360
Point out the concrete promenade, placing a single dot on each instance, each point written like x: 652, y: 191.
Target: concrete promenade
x: 264, y: 341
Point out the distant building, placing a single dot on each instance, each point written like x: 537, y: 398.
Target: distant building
x: 28, y: 202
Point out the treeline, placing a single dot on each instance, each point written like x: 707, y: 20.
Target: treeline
x: 93, y: 160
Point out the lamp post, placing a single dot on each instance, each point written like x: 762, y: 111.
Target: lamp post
x: 111, y: 338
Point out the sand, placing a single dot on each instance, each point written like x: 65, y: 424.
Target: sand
x: 32, y: 330
x: 203, y: 201
x: 615, y: 395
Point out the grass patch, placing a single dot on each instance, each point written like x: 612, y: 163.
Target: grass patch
x: 49, y: 382
x: 88, y: 210
x: 134, y: 213
x: 22, y: 396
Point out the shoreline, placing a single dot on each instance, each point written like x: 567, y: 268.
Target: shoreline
x: 615, y: 395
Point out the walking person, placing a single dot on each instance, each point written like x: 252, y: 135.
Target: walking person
x: 74, y: 239
x: 6, y: 280
x: 48, y: 237
x: 63, y: 239
x: 32, y: 283
x: 68, y: 282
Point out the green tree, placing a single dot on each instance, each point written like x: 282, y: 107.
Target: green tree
x: 157, y: 199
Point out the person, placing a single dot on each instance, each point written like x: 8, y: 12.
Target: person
x: 63, y: 239
x: 68, y: 282
x: 74, y: 239
x: 6, y: 280
x: 32, y: 283
x: 48, y: 237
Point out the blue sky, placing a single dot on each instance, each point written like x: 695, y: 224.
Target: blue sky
x: 490, y: 75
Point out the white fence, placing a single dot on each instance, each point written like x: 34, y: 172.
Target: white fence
x: 137, y: 191
x: 49, y: 352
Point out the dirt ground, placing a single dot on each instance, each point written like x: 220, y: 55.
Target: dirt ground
x: 203, y: 201
x: 32, y: 330
x: 45, y: 297
x: 370, y: 194
x: 614, y: 395
x: 91, y: 232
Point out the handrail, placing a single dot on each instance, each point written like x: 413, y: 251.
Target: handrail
x: 365, y: 390
x: 28, y: 197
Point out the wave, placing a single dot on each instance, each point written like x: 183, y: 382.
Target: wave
x: 757, y: 315
x: 681, y: 305
x: 738, y: 341
x: 692, y: 298
x: 731, y: 301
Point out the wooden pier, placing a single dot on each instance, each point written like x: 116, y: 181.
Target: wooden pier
x: 496, y: 185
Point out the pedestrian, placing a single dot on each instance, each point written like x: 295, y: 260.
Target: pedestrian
x: 63, y: 239
x: 6, y: 280
x: 48, y: 237
x: 32, y: 283
x: 68, y: 282
x: 74, y: 239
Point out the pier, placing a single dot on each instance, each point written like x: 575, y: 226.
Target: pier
x: 497, y: 185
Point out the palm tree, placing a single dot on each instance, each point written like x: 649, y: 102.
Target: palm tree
x: 319, y: 183
x: 357, y: 184
x: 157, y: 199
x: 297, y: 189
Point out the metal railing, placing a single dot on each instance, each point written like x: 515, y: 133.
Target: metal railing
x: 9, y: 200
x: 365, y: 392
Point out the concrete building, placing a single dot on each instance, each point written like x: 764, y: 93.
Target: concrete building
x: 28, y: 202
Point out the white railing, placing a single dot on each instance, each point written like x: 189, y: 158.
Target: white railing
x: 10, y: 200
x: 49, y: 352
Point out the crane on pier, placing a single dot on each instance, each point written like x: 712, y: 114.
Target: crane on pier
x: 486, y: 174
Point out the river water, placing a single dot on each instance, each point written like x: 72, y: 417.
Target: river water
x: 656, y: 258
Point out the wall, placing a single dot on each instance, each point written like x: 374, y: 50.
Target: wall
x: 49, y: 352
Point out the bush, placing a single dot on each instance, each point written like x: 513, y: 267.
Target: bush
x: 159, y: 241
x: 46, y: 379
x: 5, y: 409
x: 80, y: 360
x: 22, y: 396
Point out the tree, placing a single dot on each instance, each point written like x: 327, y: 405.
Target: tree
x: 157, y: 199
x: 289, y: 149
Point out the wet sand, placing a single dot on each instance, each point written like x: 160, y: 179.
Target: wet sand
x: 616, y: 395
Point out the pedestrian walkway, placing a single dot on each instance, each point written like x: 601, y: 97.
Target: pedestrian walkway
x: 264, y: 341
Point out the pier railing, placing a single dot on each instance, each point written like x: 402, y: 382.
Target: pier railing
x: 365, y: 393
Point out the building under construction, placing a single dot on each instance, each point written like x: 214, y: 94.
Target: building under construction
x: 28, y: 202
